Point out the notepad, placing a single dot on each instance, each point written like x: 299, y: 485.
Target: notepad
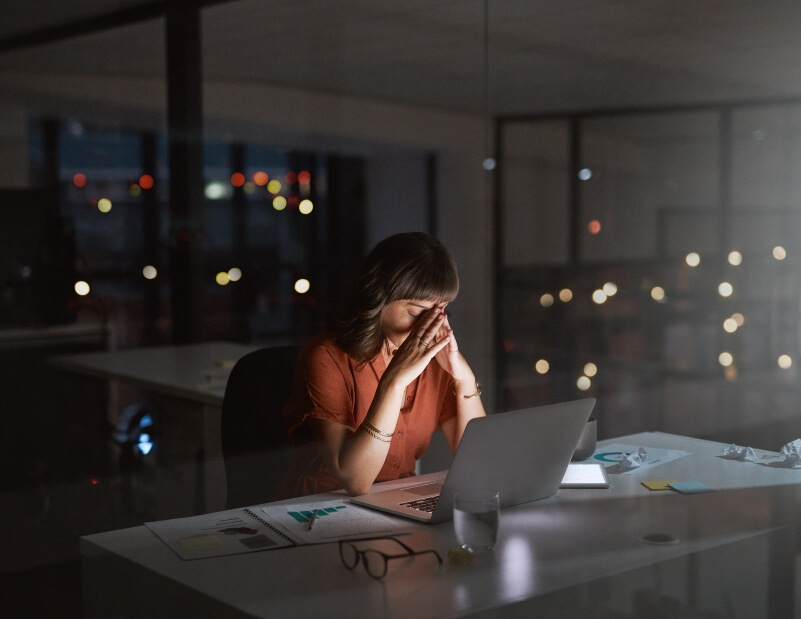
x: 264, y: 527
x: 585, y: 475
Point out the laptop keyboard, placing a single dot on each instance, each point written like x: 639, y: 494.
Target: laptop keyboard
x: 424, y: 505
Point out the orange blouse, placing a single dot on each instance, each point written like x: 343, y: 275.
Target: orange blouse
x: 331, y: 385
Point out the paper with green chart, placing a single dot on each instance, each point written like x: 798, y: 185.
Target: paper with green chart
x: 265, y: 527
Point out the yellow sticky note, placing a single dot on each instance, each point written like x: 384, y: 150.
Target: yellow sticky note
x: 660, y: 484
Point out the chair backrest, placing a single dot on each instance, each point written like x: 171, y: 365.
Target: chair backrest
x: 255, y: 446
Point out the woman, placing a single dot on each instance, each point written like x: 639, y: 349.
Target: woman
x: 370, y: 391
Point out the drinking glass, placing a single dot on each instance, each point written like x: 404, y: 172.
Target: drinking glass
x: 475, y: 519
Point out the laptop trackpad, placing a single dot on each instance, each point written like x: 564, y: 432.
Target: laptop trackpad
x: 425, y: 489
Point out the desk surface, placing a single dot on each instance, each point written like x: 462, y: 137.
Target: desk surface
x: 576, y: 537
x: 195, y: 372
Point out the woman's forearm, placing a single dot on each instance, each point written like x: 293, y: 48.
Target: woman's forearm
x: 364, y: 451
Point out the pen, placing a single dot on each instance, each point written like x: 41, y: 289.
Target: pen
x: 313, y: 518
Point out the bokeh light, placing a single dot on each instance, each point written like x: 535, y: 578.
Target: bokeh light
x: 658, y: 293
x: 546, y: 300
x: 730, y: 325
x: 725, y: 359
x: 274, y: 186
x: 594, y: 226
x: 590, y: 369
x: 565, y: 295
x: 104, y: 205
x: 305, y: 207
x: 261, y: 178
x: 279, y: 203
x: 583, y: 383
x: 542, y: 366
x: 302, y: 286
x: 599, y: 296
x: 585, y: 174
x: 149, y: 272
x: 146, y: 181
x: 222, y: 278
x: 238, y: 179
x: 692, y: 259
x: 735, y: 258
x: 82, y: 288
x: 610, y: 289
x: 785, y: 362
x: 79, y: 180
x: 779, y: 253
x: 725, y: 289
x: 235, y: 274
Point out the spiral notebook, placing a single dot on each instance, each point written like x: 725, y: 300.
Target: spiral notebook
x: 265, y: 527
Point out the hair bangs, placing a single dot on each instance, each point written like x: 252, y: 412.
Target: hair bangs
x: 427, y: 281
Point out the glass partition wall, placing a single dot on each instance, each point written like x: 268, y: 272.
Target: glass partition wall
x: 651, y: 260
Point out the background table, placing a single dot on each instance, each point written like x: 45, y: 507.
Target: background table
x: 187, y: 384
x: 580, y: 553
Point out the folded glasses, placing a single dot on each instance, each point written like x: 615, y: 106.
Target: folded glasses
x: 375, y: 561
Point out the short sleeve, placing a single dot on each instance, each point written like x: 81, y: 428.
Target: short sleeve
x: 329, y: 385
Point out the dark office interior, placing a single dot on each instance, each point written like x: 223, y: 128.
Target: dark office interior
x: 617, y: 182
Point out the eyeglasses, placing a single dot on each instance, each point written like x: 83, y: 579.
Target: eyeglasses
x: 375, y: 561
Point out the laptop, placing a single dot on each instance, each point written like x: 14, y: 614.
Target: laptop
x: 522, y: 454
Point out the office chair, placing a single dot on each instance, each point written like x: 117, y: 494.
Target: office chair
x: 255, y: 447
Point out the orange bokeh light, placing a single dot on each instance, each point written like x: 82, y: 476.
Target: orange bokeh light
x: 291, y: 178
x: 594, y: 226
x: 79, y: 180
x: 304, y: 178
x: 146, y: 181
x: 261, y: 178
x: 237, y: 179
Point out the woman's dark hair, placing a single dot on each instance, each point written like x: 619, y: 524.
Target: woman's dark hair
x: 406, y: 266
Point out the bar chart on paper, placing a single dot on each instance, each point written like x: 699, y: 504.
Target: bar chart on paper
x: 306, y: 516
x: 335, y: 520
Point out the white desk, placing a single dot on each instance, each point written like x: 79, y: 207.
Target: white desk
x: 188, y: 384
x: 196, y: 373
x: 577, y: 554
